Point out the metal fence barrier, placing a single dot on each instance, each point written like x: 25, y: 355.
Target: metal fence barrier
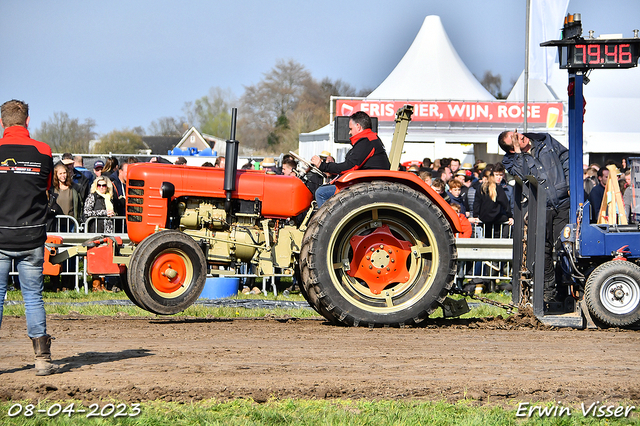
x: 485, y: 260
x: 74, y: 233
x: 63, y: 225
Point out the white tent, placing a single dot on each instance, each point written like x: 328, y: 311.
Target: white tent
x: 454, y: 116
x: 538, y: 91
x: 431, y: 69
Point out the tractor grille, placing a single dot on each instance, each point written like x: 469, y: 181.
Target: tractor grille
x: 135, y: 204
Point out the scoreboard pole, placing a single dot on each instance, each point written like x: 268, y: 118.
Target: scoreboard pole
x: 576, y: 119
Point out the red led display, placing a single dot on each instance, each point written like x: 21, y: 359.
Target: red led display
x: 582, y: 54
x: 607, y: 54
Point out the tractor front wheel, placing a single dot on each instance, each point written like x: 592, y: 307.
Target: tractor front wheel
x: 167, y: 272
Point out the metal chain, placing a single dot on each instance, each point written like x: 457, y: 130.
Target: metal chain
x: 509, y: 307
x: 524, y: 286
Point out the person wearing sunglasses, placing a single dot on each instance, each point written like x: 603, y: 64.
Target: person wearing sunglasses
x: 100, y: 203
x: 541, y: 156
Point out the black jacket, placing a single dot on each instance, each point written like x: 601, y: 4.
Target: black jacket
x: 26, y: 167
x: 119, y: 194
x: 489, y: 211
x: 548, y: 162
x: 83, y: 183
x: 367, y: 153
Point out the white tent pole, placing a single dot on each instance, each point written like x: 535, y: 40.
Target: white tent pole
x: 526, y: 63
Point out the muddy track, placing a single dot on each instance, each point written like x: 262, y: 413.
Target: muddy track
x: 185, y: 359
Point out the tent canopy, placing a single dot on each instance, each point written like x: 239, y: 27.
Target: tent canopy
x: 431, y: 69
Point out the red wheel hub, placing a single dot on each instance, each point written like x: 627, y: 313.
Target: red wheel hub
x: 168, y: 272
x: 379, y: 259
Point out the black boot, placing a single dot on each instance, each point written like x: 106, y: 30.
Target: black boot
x: 42, y: 349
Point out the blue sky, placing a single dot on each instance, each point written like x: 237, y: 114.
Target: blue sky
x: 125, y: 63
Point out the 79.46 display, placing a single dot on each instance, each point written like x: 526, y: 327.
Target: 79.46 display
x: 581, y: 54
x: 619, y: 54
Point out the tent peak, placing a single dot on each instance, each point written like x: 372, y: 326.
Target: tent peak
x: 431, y: 69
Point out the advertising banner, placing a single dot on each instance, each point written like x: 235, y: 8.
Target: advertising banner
x: 500, y: 113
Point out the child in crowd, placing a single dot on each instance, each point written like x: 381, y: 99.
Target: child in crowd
x: 464, y: 222
x: 440, y: 187
x: 455, y: 194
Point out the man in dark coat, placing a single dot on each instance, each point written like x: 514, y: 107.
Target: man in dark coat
x: 541, y: 156
x: 597, y: 193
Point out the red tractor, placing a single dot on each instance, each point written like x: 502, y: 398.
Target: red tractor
x: 381, y: 252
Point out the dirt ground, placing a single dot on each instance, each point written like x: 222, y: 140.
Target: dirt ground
x: 185, y: 359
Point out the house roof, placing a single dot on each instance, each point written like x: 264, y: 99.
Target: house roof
x: 197, y: 141
x: 160, y: 145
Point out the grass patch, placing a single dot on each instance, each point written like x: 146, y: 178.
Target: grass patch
x: 298, y: 412
x: 55, y: 304
x: 65, y: 303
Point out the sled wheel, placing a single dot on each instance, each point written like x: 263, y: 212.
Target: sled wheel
x: 167, y: 272
x: 378, y: 254
x: 613, y: 293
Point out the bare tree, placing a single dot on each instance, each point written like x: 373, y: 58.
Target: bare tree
x: 493, y: 84
x: 125, y: 141
x: 286, y: 102
x: 211, y: 114
x: 271, y: 102
x: 337, y: 88
x: 65, y: 134
x: 166, y: 126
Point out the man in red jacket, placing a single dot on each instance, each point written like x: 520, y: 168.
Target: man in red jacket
x: 367, y: 153
x: 26, y: 168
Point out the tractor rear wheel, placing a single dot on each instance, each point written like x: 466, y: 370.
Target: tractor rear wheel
x: 613, y: 293
x: 167, y: 272
x: 309, y: 292
x: 378, y: 254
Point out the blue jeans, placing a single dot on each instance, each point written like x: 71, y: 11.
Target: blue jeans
x: 324, y: 193
x: 29, y: 264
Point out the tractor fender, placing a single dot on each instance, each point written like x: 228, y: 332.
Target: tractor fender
x: 405, y: 178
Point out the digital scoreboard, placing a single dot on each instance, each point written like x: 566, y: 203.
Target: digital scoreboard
x: 582, y: 53
x: 577, y: 53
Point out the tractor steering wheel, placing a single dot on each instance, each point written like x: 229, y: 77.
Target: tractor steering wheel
x: 313, y: 168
